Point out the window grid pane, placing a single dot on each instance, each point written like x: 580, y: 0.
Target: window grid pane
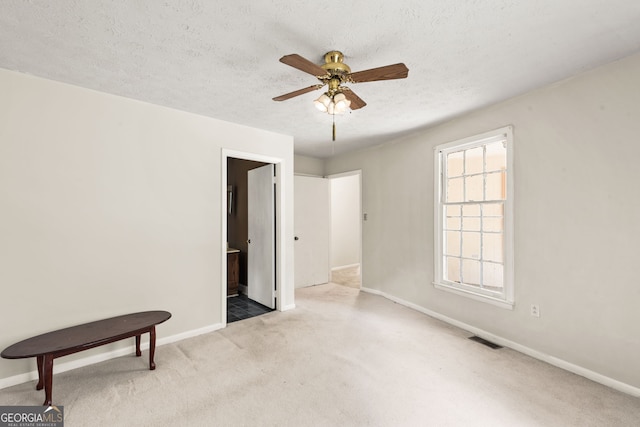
x: 474, y: 240
x: 485, y: 185
x: 455, y: 164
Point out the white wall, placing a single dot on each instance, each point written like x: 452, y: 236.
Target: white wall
x: 577, y: 222
x: 345, y: 221
x: 110, y: 206
x: 305, y: 165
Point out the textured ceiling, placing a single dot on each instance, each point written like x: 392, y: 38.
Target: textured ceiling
x: 220, y: 58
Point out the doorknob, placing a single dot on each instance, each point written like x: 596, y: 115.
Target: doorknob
x: 296, y: 238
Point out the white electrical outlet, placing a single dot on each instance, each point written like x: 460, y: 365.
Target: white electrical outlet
x: 535, y: 310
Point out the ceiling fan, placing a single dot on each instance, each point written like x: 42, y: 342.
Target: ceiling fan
x: 334, y: 73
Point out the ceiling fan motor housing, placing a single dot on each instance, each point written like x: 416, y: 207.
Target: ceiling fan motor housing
x: 334, y: 65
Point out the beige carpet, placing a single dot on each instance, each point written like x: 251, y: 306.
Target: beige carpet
x: 349, y: 276
x: 341, y: 358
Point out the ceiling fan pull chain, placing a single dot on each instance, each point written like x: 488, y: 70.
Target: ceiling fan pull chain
x: 334, y: 126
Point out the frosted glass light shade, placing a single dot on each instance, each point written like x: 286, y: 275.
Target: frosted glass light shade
x: 341, y: 103
x: 322, y: 103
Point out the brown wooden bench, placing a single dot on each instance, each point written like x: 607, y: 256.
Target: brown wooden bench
x: 63, y: 342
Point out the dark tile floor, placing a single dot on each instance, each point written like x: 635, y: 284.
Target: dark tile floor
x: 241, y: 307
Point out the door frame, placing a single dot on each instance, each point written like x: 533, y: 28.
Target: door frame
x: 280, y: 267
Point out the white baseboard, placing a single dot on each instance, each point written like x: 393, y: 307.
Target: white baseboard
x: 344, y: 267
x: 97, y: 358
x: 288, y: 307
x: 552, y: 360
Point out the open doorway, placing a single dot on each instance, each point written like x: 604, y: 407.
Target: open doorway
x: 251, y: 233
x: 346, y: 229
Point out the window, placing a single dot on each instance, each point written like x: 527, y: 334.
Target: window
x: 474, y: 217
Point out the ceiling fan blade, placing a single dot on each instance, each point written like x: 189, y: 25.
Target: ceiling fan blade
x: 356, y: 101
x: 296, y: 61
x: 296, y: 93
x: 389, y: 72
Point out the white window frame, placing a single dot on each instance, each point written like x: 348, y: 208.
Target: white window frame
x: 506, y: 298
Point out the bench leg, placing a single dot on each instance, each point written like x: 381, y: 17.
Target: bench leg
x: 48, y: 378
x: 152, y: 347
x: 40, y: 363
x: 138, y: 352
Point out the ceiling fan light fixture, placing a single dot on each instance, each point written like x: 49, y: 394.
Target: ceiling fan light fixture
x: 331, y: 109
x: 323, y: 102
x: 337, y: 104
x: 320, y: 106
x: 341, y: 103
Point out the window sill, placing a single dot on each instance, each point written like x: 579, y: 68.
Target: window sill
x: 478, y: 297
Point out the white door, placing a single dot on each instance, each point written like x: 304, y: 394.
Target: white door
x: 312, y: 228
x: 261, y: 232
